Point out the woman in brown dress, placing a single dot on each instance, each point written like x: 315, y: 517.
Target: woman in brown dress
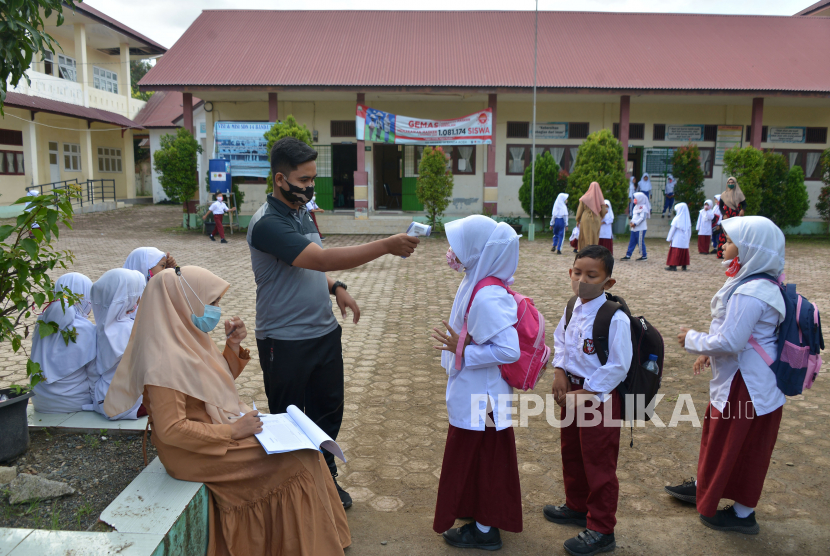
x: 589, y: 215
x: 260, y: 504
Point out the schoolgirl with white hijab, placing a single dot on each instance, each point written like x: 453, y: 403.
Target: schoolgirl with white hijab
x: 559, y: 222
x: 114, y: 298
x: 644, y: 185
x: 606, y: 234
x: 66, y: 367
x: 680, y: 235
x: 718, y: 216
x: 480, y: 475
x: 639, y: 225
x: 632, y: 189
x: 668, y: 202
x: 741, y: 424
x: 704, y: 227
x: 149, y: 261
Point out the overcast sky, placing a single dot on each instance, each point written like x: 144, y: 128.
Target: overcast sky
x: 164, y: 21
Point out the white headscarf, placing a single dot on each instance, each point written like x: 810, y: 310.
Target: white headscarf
x: 760, y: 250
x: 642, y: 204
x: 485, y: 248
x: 644, y: 182
x: 143, y: 259
x: 681, y: 219
x: 716, y: 208
x: 632, y: 187
x: 560, y: 209
x: 700, y: 215
x: 113, y: 295
x: 610, y: 214
x: 670, y: 179
x: 58, y: 359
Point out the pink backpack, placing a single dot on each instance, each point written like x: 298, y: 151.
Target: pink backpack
x: 524, y: 373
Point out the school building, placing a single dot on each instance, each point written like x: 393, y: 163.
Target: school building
x: 713, y: 79
x: 74, y: 121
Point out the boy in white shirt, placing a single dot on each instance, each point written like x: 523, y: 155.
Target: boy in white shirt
x: 589, y: 452
x: 219, y: 208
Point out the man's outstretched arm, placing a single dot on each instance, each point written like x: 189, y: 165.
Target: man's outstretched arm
x: 314, y: 257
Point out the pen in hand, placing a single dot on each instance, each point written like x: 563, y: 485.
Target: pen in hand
x: 230, y: 333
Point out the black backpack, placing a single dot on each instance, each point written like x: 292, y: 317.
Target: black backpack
x: 645, y: 340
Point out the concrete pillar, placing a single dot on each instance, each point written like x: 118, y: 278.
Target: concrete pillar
x: 361, y: 177
x: 128, y: 163
x: 757, y: 122
x: 83, y: 70
x: 124, y: 78
x: 187, y: 111
x: 30, y: 159
x: 491, y: 178
x: 625, y: 113
x: 88, y: 158
x: 273, y: 108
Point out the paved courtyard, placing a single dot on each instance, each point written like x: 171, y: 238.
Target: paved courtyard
x: 395, y: 419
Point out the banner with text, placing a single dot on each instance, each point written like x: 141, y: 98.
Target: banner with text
x: 244, y: 145
x: 684, y: 132
x: 552, y: 130
x: 787, y: 134
x: 384, y: 127
x: 728, y: 136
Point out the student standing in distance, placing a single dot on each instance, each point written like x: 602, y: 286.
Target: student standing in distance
x: 313, y: 208
x: 606, y: 234
x: 736, y: 443
x: 298, y: 337
x: 732, y: 203
x: 219, y: 208
x: 632, y: 189
x: 668, y: 203
x: 559, y: 222
x: 639, y: 225
x: 704, y: 227
x: 680, y: 235
x: 480, y: 473
x: 718, y: 216
x: 589, y: 215
x: 589, y: 453
x: 574, y: 239
x: 645, y: 186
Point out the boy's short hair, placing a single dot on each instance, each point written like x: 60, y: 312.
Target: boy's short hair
x: 599, y: 253
x: 288, y: 153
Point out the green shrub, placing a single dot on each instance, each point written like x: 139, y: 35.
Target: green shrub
x: 823, y: 204
x: 548, y: 186
x: 796, y: 200
x: 435, y: 183
x: 746, y: 164
x: 288, y: 128
x: 599, y: 159
x: 175, y: 163
x: 689, y: 175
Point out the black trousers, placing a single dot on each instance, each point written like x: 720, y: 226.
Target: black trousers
x: 308, y: 374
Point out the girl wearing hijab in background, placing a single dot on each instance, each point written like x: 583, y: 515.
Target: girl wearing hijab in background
x: 639, y: 225
x: 67, y: 367
x: 704, y: 227
x: 589, y: 215
x: 606, y: 234
x: 668, y: 203
x: 480, y: 473
x: 736, y: 445
x: 574, y: 239
x: 149, y: 261
x: 716, y: 220
x: 732, y: 203
x: 559, y: 222
x: 645, y: 186
x: 679, y: 235
x: 259, y: 503
x: 31, y: 193
x: 632, y: 189
x: 114, y: 298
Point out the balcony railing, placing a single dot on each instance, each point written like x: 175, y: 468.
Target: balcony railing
x: 51, y: 87
x: 86, y: 193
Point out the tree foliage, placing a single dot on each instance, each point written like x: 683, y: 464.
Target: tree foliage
x: 784, y: 198
x: 599, y: 159
x: 288, y: 128
x: 689, y: 175
x: 27, y: 255
x: 435, y: 183
x: 746, y: 164
x: 546, y: 189
x: 175, y: 162
x: 138, y: 69
x: 22, y: 36
x: 823, y: 204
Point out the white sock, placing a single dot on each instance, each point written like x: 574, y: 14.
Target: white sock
x: 483, y: 528
x: 742, y: 511
x: 695, y: 482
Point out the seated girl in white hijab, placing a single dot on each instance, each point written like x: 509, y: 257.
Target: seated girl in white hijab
x: 66, y: 366
x: 115, y: 299
x: 480, y: 475
x: 149, y: 261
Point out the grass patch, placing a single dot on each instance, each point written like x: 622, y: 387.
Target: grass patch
x: 813, y: 239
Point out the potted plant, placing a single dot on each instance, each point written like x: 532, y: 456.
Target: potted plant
x: 26, y: 257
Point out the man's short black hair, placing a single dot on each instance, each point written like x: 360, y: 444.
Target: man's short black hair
x: 288, y: 153
x: 598, y: 253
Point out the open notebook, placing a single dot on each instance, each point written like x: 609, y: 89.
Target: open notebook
x: 287, y: 432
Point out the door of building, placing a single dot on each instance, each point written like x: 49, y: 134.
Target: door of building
x: 344, y: 165
x: 54, y: 169
x: 388, y: 176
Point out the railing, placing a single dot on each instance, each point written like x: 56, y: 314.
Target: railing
x: 87, y: 192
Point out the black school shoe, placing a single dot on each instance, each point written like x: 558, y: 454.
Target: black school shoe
x: 563, y: 515
x: 212, y: 238
x: 469, y: 536
x: 643, y: 259
x: 588, y: 543
x: 674, y: 268
x: 727, y: 520
x: 345, y: 498
x: 223, y: 240
x: 626, y: 258
x: 686, y: 492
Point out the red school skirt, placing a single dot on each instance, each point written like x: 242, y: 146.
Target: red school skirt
x: 575, y: 243
x: 678, y: 257
x: 703, y: 244
x: 607, y: 243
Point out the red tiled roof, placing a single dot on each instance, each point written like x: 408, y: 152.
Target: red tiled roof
x: 421, y: 49
x: 162, y: 110
x: 39, y: 104
x: 88, y: 10
x: 818, y: 6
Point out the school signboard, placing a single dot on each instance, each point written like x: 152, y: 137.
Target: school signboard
x: 728, y: 136
x: 385, y: 127
x: 220, y: 175
x: 787, y: 134
x: 243, y: 144
x: 552, y: 130
x: 684, y: 133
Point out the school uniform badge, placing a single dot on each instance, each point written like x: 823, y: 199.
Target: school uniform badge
x: 588, y: 347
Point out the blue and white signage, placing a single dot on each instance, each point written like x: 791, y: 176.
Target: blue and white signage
x: 220, y: 176
x: 243, y: 144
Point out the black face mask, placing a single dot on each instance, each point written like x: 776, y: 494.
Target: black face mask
x: 297, y: 194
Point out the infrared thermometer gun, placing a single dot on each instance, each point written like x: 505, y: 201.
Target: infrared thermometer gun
x: 416, y: 229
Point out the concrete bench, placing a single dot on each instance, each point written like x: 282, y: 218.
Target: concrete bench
x: 82, y: 421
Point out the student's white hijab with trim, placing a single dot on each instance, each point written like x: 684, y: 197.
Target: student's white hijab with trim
x: 143, y: 259
x: 760, y: 250
x: 643, y: 181
x: 485, y: 248
x: 113, y: 295
x: 682, y: 220
x: 642, y: 204
x: 700, y: 214
x: 560, y: 209
x: 610, y: 214
x: 58, y: 359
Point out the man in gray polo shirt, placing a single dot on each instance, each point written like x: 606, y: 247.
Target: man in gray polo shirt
x: 297, y: 335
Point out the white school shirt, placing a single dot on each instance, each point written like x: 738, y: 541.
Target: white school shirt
x: 729, y: 351
x: 570, y: 348
x: 605, y: 228
x: 218, y: 207
x: 480, y: 374
x: 69, y: 394
x: 99, y: 388
x: 704, y: 223
x: 640, y: 221
x: 574, y: 234
x: 311, y: 205
x: 679, y: 238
